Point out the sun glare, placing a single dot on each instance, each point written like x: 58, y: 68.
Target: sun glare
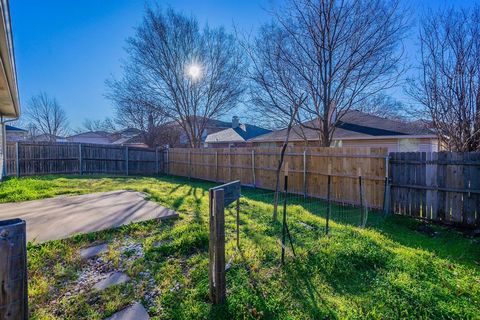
x: 194, y: 71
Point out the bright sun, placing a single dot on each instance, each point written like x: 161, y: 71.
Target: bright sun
x: 194, y: 71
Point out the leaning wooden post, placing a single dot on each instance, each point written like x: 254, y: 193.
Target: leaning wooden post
x: 80, y: 158
x: 216, y: 270
x: 17, y: 159
x: 126, y: 161
x: 253, y: 169
x: 13, y: 270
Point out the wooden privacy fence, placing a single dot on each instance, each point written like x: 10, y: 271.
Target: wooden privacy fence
x: 443, y: 186
x: 26, y: 158
x: 309, y: 169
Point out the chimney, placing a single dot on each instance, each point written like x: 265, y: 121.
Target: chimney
x: 235, y: 122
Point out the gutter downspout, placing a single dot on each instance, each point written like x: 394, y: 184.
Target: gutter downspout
x: 3, y: 121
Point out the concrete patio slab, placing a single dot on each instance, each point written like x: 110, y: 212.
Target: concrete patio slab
x: 134, y: 312
x: 65, y: 216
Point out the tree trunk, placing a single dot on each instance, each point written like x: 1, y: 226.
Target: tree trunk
x: 279, y: 167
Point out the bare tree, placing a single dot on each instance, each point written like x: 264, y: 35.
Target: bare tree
x: 343, y: 51
x: 47, y: 116
x: 106, y: 125
x: 276, y: 94
x: 448, y: 89
x: 386, y: 106
x: 181, y: 71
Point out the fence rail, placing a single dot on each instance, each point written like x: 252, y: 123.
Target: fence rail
x: 24, y: 159
x: 309, y: 169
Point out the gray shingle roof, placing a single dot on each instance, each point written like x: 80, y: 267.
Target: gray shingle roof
x: 242, y: 133
x: 12, y: 128
x: 353, y: 125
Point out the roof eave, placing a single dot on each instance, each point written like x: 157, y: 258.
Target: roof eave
x: 9, y: 99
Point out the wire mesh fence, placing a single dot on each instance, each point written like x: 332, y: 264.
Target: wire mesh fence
x: 297, y: 203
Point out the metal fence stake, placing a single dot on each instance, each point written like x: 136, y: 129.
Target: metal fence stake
x: 126, y: 160
x: 304, y: 173
x: 216, y: 166
x: 80, y: 158
x: 253, y: 169
x: 156, y: 160
x: 329, y: 208
x: 17, y: 159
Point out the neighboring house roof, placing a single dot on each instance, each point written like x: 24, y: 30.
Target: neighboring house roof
x: 128, y: 132
x: 129, y: 136
x: 9, y: 101
x: 95, y: 137
x: 90, y: 134
x: 242, y: 133
x: 353, y: 125
x: 48, y: 137
x: 211, y: 126
x: 16, y: 129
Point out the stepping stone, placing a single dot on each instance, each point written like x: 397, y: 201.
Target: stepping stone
x: 113, y: 279
x: 91, y: 252
x: 134, y: 312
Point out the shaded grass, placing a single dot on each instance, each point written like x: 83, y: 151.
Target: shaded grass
x: 385, y: 271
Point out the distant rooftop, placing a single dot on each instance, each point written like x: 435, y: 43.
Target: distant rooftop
x: 12, y: 128
x: 353, y: 125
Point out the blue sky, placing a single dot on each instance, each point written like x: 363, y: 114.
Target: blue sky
x: 69, y: 48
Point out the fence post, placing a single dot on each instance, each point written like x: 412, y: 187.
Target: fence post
x: 362, y: 202
x: 189, y: 164
x: 386, y: 190
x: 17, y: 159
x: 168, y: 161
x: 329, y: 208
x: 156, y: 160
x: 13, y: 270
x: 253, y: 169
x: 285, y: 231
x: 80, y: 158
x: 216, y: 166
x: 126, y: 160
x: 238, y: 223
x: 216, y: 248
x: 229, y: 164
x: 304, y: 173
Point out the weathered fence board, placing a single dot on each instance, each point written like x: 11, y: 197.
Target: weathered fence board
x: 308, y: 169
x: 27, y: 158
x: 443, y: 186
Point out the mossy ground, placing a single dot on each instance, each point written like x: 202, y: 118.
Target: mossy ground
x: 387, y: 270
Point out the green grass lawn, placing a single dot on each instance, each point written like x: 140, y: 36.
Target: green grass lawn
x: 387, y: 270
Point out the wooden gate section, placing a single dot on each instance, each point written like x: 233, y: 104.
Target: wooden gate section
x: 443, y: 186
